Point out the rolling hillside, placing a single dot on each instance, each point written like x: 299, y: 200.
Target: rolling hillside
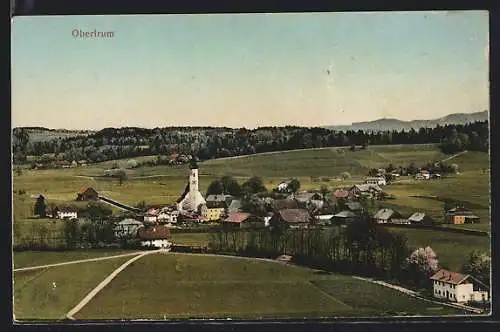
x: 395, y: 124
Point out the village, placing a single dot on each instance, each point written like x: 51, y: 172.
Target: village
x: 152, y: 225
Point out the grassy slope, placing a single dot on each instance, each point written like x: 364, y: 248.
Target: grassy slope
x: 451, y: 248
x: 472, y: 185
x: 34, y: 297
x: 36, y: 258
x: 182, y: 286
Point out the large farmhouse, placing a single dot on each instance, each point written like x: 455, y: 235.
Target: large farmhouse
x: 294, y: 218
x: 456, y: 287
x: 127, y: 228
x: 459, y: 216
x: 154, y: 237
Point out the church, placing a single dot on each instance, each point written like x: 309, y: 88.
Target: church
x: 191, y: 199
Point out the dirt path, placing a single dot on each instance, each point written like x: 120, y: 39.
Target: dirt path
x: 104, y: 283
x: 76, y: 262
x: 416, y: 295
x: 455, y: 155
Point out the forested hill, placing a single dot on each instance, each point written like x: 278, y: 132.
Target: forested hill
x: 209, y: 142
x: 395, y: 124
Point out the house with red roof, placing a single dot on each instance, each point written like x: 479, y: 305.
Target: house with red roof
x: 457, y: 287
x: 243, y: 220
x: 87, y: 194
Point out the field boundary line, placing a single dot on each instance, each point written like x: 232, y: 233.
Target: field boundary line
x: 75, y: 262
x: 415, y: 295
x: 455, y: 155
x: 104, y: 283
x: 328, y: 295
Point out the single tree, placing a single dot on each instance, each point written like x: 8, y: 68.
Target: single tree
x: 345, y: 175
x: 215, y: 188
x: 230, y: 186
x: 121, y: 175
x: 324, y: 192
x: 422, y: 264
x: 294, y: 185
x: 253, y: 185
x: 40, y: 207
x: 479, y: 266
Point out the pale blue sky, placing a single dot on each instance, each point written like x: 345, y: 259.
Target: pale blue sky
x: 247, y: 69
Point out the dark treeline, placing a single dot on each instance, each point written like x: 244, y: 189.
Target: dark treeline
x: 208, y: 142
x: 361, y: 247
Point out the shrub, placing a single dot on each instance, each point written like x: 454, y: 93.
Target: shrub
x: 345, y: 175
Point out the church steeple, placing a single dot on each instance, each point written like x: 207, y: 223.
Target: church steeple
x: 192, y: 163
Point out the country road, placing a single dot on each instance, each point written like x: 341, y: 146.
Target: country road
x: 77, y: 261
x: 104, y: 283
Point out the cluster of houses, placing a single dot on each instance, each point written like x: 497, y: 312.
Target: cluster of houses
x: 300, y: 209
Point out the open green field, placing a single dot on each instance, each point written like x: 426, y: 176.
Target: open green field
x: 451, y: 248
x: 36, y: 258
x: 34, y: 295
x: 164, y: 184
x: 191, y: 286
x: 190, y: 239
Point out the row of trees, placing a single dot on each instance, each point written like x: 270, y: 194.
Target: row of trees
x: 207, y: 143
x: 229, y: 186
x: 361, y: 248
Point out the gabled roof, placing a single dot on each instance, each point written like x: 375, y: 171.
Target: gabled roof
x: 324, y: 216
x: 367, y: 187
x: 295, y: 215
x: 345, y: 214
x: 384, y: 214
x: 304, y: 197
x: 153, y: 233
x: 341, y: 193
x: 218, y: 198
x: 129, y: 221
x: 153, y: 212
x: 354, y: 206
x: 237, y: 217
x: 375, y: 178
x: 186, y: 190
x: 216, y: 204
x: 417, y: 217
x: 86, y: 189
x: 281, y: 204
x: 449, y: 277
x: 235, y: 205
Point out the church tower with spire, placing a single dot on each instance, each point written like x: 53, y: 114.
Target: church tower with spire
x: 192, y: 198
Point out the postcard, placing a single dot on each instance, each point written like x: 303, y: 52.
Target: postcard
x: 251, y: 166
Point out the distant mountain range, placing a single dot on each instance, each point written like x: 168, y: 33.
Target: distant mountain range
x: 395, y: 124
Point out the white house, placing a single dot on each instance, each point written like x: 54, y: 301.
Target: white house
x: 66, y: 213
x: 324, y: 218
x: 378, y: 180
x: 127, y: 227
x: 423, y: 175
x: 283, y: 186
x: 151, y: 215
x: 154, y: 237
x: 456, y: 287
x: 167, y: 216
